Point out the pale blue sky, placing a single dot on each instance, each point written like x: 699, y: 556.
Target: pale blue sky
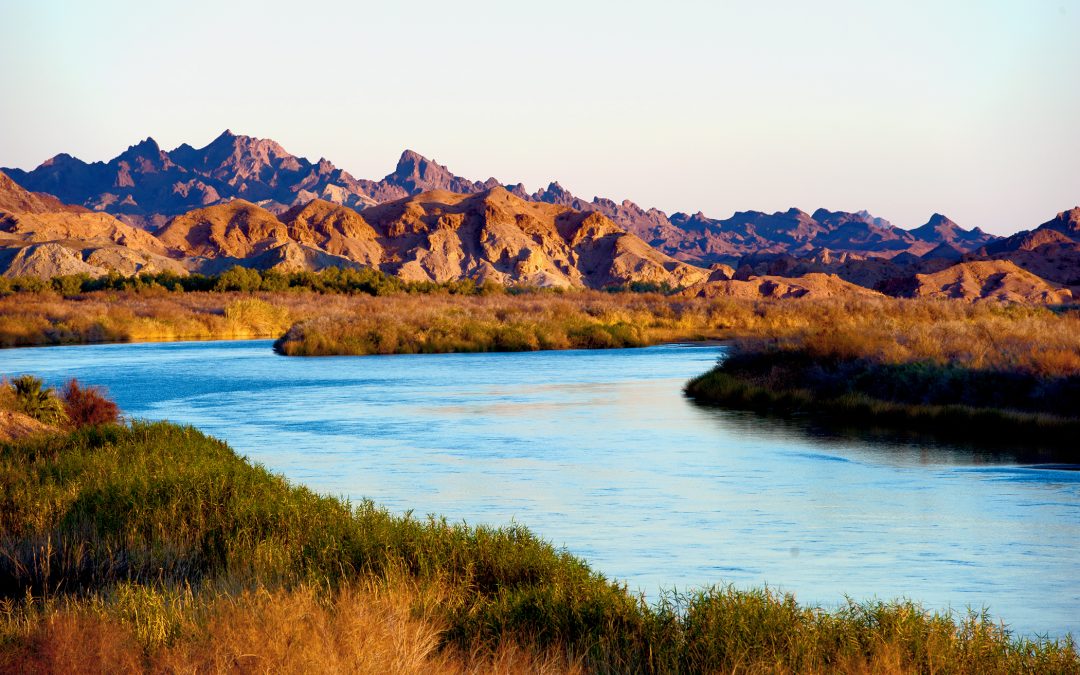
x: 903, y: 108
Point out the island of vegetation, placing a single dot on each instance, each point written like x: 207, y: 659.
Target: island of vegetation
x: 133, y: 546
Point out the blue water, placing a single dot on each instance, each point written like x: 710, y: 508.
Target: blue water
x: 598, y: 451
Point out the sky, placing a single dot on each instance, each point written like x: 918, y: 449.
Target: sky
x: 971, y: 109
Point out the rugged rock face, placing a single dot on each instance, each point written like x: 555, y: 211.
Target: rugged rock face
x: 497, y: 236
x: 981, y: 280
x: 145, y: 184
x: 941, y: 230
x: 1050, y: 251
x: 435, y: 235
x: 41, y: 237
x: 244, y: 200
x: 798, y: 234
x: 809, y: 286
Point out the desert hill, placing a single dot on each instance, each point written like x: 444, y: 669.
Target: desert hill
x: 1000, y: 280
x: 39, y: 236
x: 813, y: 285
x: 248, y: 201
x: 499, y: 236
x: 433, y: 236
x: 15, y: 199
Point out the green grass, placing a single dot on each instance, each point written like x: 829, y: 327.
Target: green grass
x: 145, y: 521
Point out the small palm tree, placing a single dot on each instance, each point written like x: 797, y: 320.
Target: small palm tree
x: 38, y: 402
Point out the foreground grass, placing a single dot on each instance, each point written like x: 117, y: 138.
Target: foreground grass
x: 1001, y: 373
x: 155, y: 547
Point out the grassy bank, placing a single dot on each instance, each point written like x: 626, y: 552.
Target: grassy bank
x: 34, y: 319
x: 521, y: 322
x: 1002, y: 372
x: 153, y: 546
x: 355, y: 312
x: 237, y: 304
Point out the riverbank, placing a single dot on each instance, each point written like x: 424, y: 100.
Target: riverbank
x: 199, y: 559
x: 1003, y: 375
x: 358, y: 312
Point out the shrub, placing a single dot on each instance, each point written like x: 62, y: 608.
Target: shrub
x: 36, y: 401
x: 239, y: 279
x: 71, y: 284
x: 88, y: 406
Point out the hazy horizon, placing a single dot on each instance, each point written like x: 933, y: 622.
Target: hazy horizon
x: 968, y: 110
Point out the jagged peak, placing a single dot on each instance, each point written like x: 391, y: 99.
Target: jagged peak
x: 409, y: 155
x: 940, y: 219
x: 148, y: 144
x: 62, y: 157
x: 411, y: 160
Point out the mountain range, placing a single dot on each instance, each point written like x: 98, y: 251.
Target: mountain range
x: 145, y: 186
x: 244, y: 200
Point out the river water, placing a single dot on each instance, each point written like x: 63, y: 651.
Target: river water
x: 599, y: 452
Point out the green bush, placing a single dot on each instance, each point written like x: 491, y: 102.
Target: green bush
x: 37, y: 401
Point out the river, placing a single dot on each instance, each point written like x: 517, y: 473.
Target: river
x: 599, y: 452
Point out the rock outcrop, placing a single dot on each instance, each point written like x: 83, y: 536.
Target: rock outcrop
x: 999, y: 280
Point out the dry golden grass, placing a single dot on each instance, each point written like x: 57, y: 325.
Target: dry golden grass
x: 976, y: 373
x: 1013, y: 338
x: 981, y: 336
x: 153, y: 315
x: 370, y: 627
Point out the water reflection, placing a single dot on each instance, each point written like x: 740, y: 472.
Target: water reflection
x: 890, y: 445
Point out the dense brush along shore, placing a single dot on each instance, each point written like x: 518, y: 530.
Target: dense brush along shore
x: 1007, y: 374
x: 945, y: 367
x: 152, y: 547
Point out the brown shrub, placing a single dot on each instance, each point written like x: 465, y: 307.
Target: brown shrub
x: 88, y: 406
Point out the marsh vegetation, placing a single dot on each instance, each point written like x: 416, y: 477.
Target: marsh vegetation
x: 168, y: 551
x: 968, y: 371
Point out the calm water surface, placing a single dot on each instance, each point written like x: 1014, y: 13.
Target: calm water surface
x: 599, y: 452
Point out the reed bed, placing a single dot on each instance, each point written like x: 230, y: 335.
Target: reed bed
x: 983, y: 371
x: 47, y: 318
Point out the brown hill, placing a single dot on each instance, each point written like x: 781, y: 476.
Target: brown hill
x: 238, y: 229
x: 335, y: 229
x: 495, y: 235
x: 999, y: 280
x: 315, y: 236
x: 15, y: 199
x: 808, y: 286
x: 434, y: 236
x: 46, y: 239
